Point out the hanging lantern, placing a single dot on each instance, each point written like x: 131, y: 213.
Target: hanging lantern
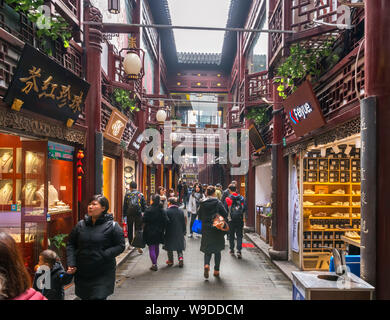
x: 161, y: 115
x: 114, y: 6
x: 80, y: 171
x: 133, y: 63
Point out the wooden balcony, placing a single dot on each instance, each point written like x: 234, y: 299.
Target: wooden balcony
x: 259, y: 88
x: 299, y: 16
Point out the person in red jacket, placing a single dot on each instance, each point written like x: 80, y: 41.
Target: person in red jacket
x: 237, y: 210
x: 15, y: 282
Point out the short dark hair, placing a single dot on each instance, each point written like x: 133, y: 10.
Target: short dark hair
x: 14, y: 276
x: 172, y: 200
x: 232, y: 187
x: 49, y: 256
x: 133, y: 185
x: 102, y: 200
x: 210, y: 190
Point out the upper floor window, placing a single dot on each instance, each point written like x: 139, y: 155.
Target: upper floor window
x: 258, y: 54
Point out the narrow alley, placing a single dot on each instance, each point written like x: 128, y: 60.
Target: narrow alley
x: 252, y: 278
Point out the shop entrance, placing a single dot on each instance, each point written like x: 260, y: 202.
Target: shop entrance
x: 36, y: 194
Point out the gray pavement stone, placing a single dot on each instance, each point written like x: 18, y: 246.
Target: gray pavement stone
x: 252, y: 278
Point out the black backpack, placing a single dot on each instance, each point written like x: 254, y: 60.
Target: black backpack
x: 237, y: 209
x: 133, y: 203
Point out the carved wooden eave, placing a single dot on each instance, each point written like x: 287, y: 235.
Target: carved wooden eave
x: 22, y: 123
x: 343, y: 131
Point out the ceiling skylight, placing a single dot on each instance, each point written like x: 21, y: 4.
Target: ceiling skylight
x: 199, y: 13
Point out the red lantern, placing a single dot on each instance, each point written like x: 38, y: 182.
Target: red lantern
x: 80, y: 171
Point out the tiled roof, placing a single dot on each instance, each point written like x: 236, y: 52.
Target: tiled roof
x: 199, y: 58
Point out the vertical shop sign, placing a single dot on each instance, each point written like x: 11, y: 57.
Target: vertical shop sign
x: 153, y: 182
x: 294, y: 210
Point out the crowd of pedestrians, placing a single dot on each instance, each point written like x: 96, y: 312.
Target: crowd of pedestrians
x: 97, y: 240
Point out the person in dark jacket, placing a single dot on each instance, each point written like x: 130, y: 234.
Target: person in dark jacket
x: 154, y: 220
x: 134, y: 205
x: 226, y: 194
x: 236, y: 225
x: 213, y: 241
x: 179, y: 190
x: 175, y: 232
x: 92, y: 247
x: 58, y: 277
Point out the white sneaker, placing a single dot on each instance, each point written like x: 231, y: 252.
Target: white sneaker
x: 190, y: 236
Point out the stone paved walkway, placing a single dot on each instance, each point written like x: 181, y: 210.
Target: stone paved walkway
x: 252, y: 278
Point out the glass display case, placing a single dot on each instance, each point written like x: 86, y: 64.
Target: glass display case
x: 36, y: 193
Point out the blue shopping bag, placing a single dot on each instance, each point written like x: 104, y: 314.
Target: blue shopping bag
x: 197, y: 226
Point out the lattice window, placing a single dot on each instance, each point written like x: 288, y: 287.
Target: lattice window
x: 341, y: 91
x: 8, y: 61
x: 26, y: 30
x: 72, y: 5
x: 259, y: 86
x: 72, y: 61
x: 276, y: 23
x: 304, y: 11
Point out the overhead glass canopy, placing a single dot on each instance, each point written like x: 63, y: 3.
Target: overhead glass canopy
x: 199, y: 13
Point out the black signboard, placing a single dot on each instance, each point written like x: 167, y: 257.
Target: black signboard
x: 42, y: 85
x: 256, y: 139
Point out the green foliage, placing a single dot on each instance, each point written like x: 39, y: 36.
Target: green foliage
x: 300, y: 63
x: 59, y: 241
x: 259, y: 115
x: 57, y: 27
x: 123, y: 100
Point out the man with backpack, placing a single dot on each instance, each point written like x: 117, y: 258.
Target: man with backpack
x: 133, y: 207
x: 237, y: 210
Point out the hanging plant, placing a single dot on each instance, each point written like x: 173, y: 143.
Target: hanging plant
x: 49, y: 27
x: 300, y: 63
x: 259, y: 115
x: 122, y: 99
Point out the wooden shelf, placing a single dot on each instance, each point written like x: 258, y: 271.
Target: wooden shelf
x: 354, y: 242
x: 327, y: 207
x: 340, y: 218
x: 331, y: 230
x: 327, y: 195
x: 330, y: 183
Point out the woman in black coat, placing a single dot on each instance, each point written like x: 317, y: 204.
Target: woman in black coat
x: 154, y: 220
x: 92, y: 247
x: 213, y: 241
x: 175, y: 232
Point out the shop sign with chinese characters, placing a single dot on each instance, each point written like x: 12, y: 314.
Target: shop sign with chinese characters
x: 303, y: 110
x: 43, y: 86
x: 115, y: 127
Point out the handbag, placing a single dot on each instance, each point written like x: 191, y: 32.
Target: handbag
x: 220, y: 223
x: 197, y: 226
x: 138, y: 241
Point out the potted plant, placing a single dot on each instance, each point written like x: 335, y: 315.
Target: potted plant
x: 58, y: 244
x: 121, y: 99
